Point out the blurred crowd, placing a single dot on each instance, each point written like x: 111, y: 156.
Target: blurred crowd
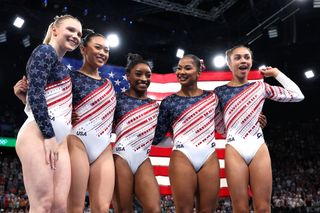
x: 294, y: 149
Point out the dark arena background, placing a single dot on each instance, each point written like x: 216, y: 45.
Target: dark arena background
x: 283, y: 34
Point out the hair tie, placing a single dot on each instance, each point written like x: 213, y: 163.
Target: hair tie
x: 202, y: 66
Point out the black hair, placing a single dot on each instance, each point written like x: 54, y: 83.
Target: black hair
x: 197, y: 62
x: 133, y: 59
x: 87, y: 35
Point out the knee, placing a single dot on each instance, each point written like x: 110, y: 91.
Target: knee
x: 124, y: 210
x: 241, y: 209
x: 45, y: 204
x: 183, y: 209
x: 262, y: 206
x: 262, y: 209
x: 206, y: 210
x: 59, y: 206
x: 75, y: 205
x: 152, y: 206
x: 152, y: 209
x: 100, y: 208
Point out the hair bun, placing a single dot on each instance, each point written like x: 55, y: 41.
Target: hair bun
x: 134, y: 57
x: 86, y: 32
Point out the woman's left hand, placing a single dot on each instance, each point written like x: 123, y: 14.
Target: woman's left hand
x: 262, y: 120
x: 269, y: 71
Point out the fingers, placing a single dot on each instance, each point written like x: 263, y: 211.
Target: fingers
x: 57, y: 156
x: 262, y: 120
x: 54, y: 156
x: 21, y: 86
x: 47, y: 155
x: 74, y: 117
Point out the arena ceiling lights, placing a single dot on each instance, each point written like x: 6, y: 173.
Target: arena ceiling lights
x: 18, y: 22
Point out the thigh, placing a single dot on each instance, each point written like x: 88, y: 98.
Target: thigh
x: 208, y: 184
x: 79, y: 173
x: 261, y: 177
x: 37, y: 174
x: 101, y: 181
x: 62, y: 177
x: 124, y: 183
x: 183, y: 181
x: 147, y: 188
x: 237, y: 174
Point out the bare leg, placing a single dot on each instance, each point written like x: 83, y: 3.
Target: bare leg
x: 209, y: 185
x: 62, y: 179
x: 183, y: 180
x: 261, y: 180
x: 146, y: 188
x: 79, y: 174
x: 237, y: 174
x: 37, y: 175
x: 101, y: 182
x: 124, y: 182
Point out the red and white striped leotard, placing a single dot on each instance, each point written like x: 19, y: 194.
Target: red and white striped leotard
x: 95, y: 107
x: 192, y: 120
x: 135, y: 122
x: 242, y: 106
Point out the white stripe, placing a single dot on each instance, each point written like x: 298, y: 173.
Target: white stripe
x: 164, y: 161
x: 164, y: 88
x: 223, y: 182
x: 220, y: 143
x: 210, y: 85
x: 175, y: 87
x: 160, y: 161
x: 221, y: 163
x: 164, y: 181
x: 113, y: 137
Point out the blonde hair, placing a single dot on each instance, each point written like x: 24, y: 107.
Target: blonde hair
x: 57, y: 21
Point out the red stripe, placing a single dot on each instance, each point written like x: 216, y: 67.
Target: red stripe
x: 93, y: 93
x: 202, y: 102
x: 204, y: 76
x: 220, y: 153
x: 60, y: 99
x: 231, y: 101
x: 93, y: 112
x: 57, y: 83
x: 160, y: 170
x: 135, y: 125
x: 136, y: 110
x: 224, y: 192
x: 160, y: 151
x: 218, y: 136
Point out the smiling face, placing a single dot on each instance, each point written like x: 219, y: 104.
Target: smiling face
x: 240, y: 62
x: 95, y: 52
x: 67, y: 33
x: 187, y: 72
x: 139, y: 78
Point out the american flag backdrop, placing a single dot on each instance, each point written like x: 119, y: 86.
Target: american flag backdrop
x: 161, y: 86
